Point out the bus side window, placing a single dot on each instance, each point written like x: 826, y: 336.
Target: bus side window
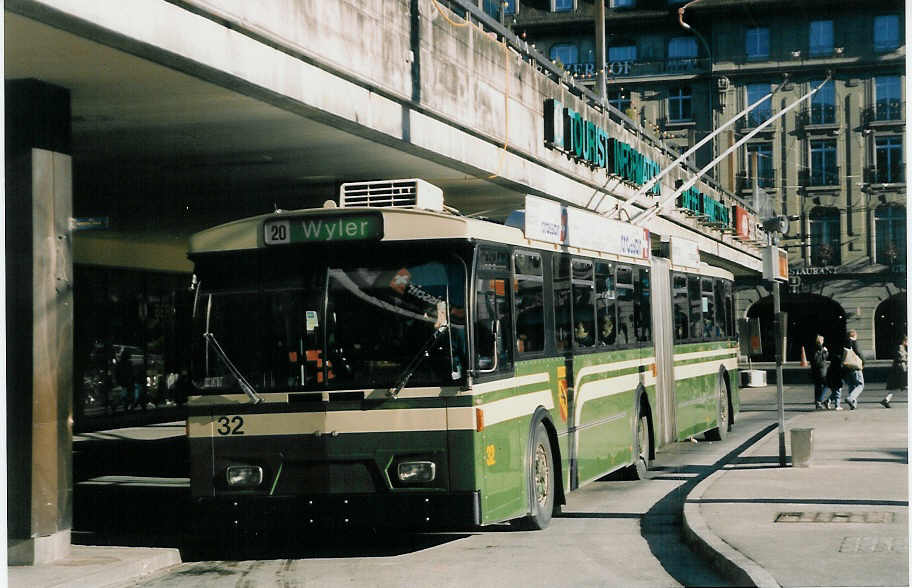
x: 528, y: 295
x: 625, y: 306
x: 720, y: 309
x: 493, y: 325
x: 605, y: 305
x: 680, y: 307
x: 562, y: 309
x: 642, y: 314
x: 729, y: 309
x: 696, y: 313
x: 707, y: 303
x: 583, y: 304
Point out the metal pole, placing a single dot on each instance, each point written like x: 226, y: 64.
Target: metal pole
x: 600, y: 49
x: 780, y: 401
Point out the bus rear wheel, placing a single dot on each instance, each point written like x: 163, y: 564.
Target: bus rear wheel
x: 721, y: 430
x: 541, y: 481
x: 639, y: 469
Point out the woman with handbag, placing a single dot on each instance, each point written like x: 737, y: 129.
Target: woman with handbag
x: 897, y: 380
x: 852, y: 370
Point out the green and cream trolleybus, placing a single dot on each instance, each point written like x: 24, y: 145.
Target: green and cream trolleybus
x: 388, y: 361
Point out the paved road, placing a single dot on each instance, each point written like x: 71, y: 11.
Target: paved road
x: 611, y: 532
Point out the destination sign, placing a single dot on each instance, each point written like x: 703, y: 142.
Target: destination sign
x: 323, y: 228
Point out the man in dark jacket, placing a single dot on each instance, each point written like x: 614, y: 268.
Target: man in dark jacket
x: 854, y: 379
x: 818, y: 372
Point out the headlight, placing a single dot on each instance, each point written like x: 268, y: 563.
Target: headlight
x: 244, y: 476
x: 417, y: 471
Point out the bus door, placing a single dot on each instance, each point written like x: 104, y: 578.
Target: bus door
x: 663, y: 337
x: 501, y: 445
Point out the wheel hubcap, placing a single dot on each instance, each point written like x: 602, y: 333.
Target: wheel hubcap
x: 723, y: 410
x: 542, y: 475
x: 643, y: 435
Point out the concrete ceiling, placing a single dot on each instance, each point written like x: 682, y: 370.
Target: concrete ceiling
x: 136, y: 120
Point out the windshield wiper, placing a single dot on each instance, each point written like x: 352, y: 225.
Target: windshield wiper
x: 419, y: 357
x: 242, y: 381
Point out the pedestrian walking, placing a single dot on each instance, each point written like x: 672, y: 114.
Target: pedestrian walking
x: 818, y: 372
x: 834, y: 379
x: 852, y: 365
x: 898, y: 378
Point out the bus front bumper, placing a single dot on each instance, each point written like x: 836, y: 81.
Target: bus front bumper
x: 417, y: 511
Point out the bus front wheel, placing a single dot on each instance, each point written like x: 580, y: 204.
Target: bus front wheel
x: 541, y: 480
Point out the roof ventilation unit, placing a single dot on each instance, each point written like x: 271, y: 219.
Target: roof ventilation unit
x: 411, y: 193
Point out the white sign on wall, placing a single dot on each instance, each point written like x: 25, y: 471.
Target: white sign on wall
x: 553, y: 222
x: 684, y: 252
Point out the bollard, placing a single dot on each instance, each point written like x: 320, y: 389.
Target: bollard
x: 753, y: 378
x: 802, y: 447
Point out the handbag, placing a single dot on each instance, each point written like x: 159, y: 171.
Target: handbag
x: 851, y: 360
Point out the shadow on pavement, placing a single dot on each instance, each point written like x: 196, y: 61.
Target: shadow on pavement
x: 662, y: 525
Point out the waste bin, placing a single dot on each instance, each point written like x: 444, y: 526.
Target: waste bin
x: 802, y: 447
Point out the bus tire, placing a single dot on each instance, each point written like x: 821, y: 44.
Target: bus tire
x: 722, y: 410
x: 639, y: 469
x: 541, y: 482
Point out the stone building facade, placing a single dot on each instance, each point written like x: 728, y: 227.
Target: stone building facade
x: 834, y: 163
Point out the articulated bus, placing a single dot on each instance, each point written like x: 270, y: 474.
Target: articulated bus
x: 390, y: 362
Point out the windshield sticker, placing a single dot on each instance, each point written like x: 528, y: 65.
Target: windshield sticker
x: 312, y: 321
x: 401, y: 281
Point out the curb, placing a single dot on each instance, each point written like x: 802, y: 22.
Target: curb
x: 725, y: 558
x: 98, y: 566
x: 127, y: 572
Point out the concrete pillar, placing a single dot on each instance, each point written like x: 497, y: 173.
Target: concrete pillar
x: 39, y: 311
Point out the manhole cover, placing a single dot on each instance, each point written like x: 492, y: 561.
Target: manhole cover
x: 835, y: 517
x: 872, y: 544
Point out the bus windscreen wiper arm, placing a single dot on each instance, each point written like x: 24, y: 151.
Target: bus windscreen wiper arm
x: 242, y: 381
x: 419, y: 357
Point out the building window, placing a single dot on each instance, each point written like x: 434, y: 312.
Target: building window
x: 622, y: 53
x: 825, y: 236
x: 764, y: 151
x: 620, y: 99
x: 823, y: 163
x: 888, y: 96
x: 889, y: 159
x: 492, y: 8
x: 623, y: 3
x: 757, y: 43
x: 682, y: 47
x: 679, y: 105
x: 886, y: 32
x: 562, y: 5
x: 890, y: 230
x: 821, y: 37
x: 762, y: 112
x: 509, y: 6
x: 565, y: 53
x: 823, y: 103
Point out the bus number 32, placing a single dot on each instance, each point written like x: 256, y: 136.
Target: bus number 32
x: 230, y: 425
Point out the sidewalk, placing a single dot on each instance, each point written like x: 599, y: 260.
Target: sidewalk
x: 842, y: 521
x: 95, y: 566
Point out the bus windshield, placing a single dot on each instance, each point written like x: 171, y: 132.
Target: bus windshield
x: 279, y: 322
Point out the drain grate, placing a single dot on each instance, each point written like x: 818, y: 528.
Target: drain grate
x: 872, y: 544
x: 835, y: 517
